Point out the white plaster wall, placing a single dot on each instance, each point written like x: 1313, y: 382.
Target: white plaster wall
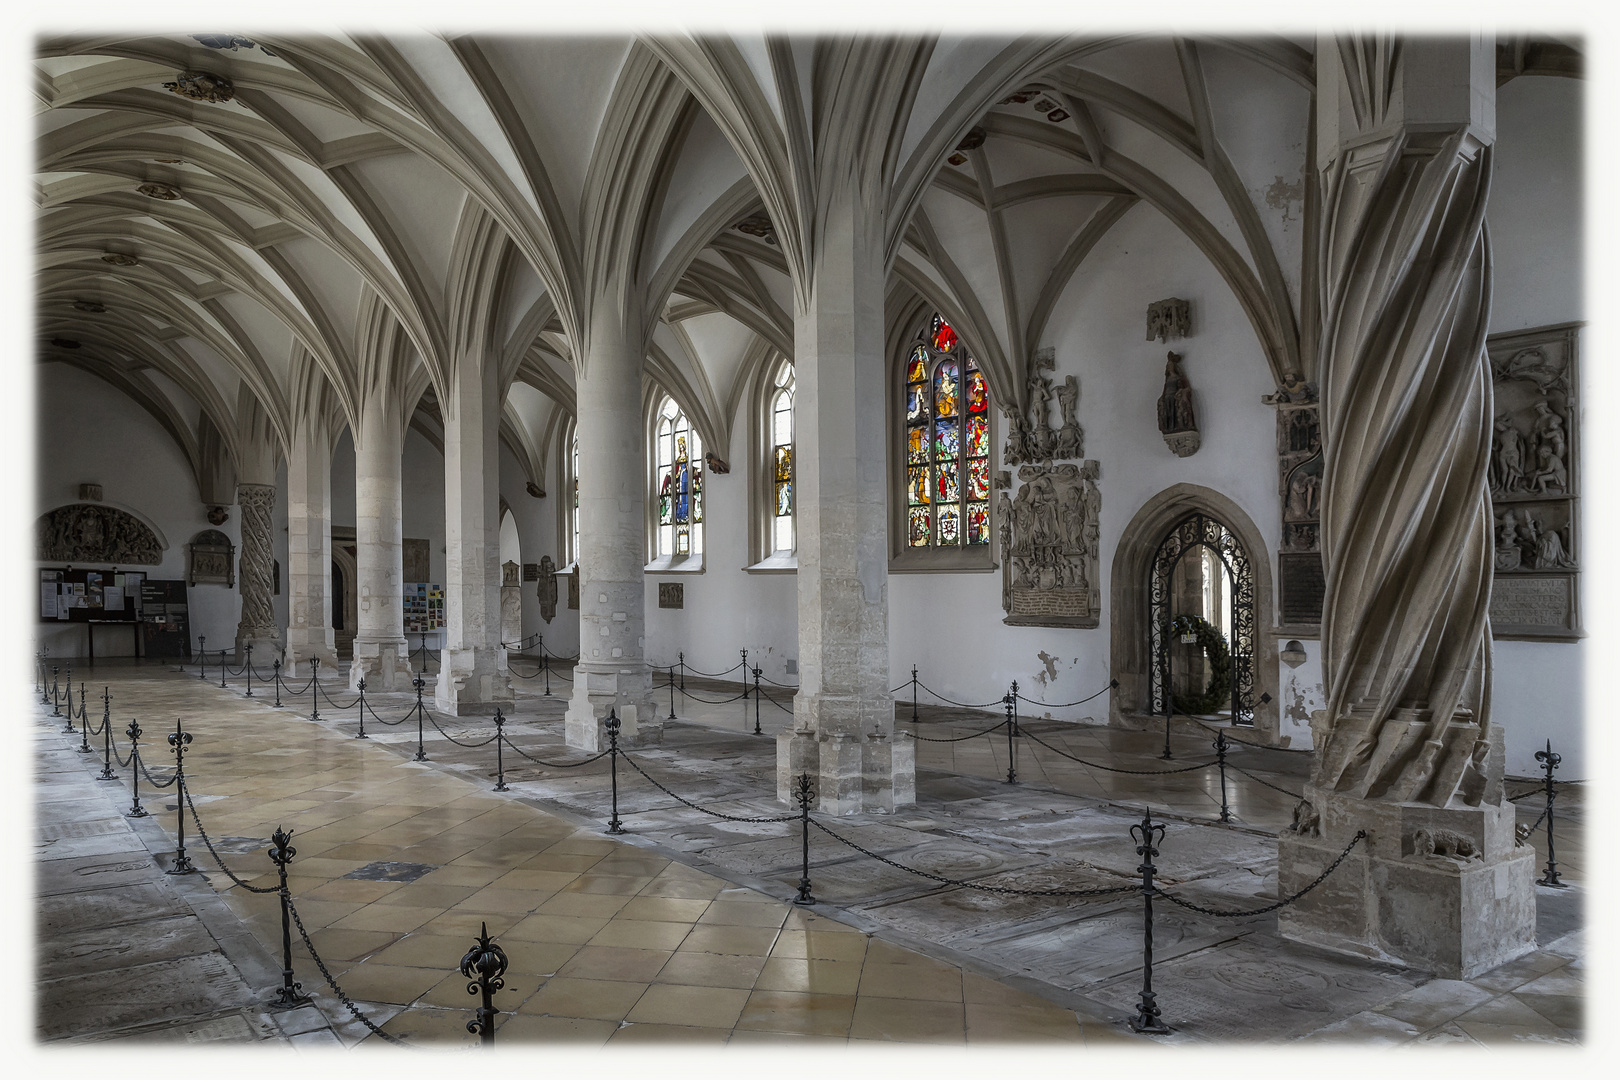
x: 421, y: 482
x: 1300, y: 692
x: 343, y: 480
x: 1536, y: 222
x: 950, y: 625
x: 727, y: 609
x: 108, y: 439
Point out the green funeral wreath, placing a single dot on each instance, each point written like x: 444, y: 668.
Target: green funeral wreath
x: 1219, y: 691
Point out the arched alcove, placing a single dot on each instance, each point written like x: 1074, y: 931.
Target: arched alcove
x: 1131, y: 645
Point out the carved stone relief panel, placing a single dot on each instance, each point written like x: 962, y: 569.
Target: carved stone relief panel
x: 547, y: 588
x: 1299, y: 490
x: 414, y: 556
x: 1534, y: 481
x: 1049, y: 547
x: 212, y: 559
x: 91, y: 533
x: 1030, y: 434
x: 671, y: 594
x: 1169, y: 319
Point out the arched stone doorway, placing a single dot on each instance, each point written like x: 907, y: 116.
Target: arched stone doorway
x: 345, y: 600
x: 1182, y: 519
x: 1201, y: 569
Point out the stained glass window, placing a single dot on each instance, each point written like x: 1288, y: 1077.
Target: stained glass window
x: 782, y: 460
x: 947, y: 443
x: 679, y: 479
x: 573, y: 465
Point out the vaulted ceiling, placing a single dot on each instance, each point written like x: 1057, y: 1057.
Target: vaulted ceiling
x: 236, y: 230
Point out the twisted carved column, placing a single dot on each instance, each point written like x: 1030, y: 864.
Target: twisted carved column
x: 258, y: 619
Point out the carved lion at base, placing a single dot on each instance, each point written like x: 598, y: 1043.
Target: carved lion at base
x: 1307, y: 821
x: 1444, y: 844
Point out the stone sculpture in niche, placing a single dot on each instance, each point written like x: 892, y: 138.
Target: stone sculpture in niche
x: 509, y: 574
x: 1177, y: 421
x: 1049, y: 541
x: 212, y: 559
x: 91, y: 533
x: 1169, y: 319
x: 1534, y: 480
x: 1299, y: 489
x: 546, y: 590
x: 1030, y: 435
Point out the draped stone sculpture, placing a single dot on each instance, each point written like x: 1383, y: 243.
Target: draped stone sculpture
x: 546, y: 589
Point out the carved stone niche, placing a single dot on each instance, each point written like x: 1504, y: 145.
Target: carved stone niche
x: 1169, y: 319
x: 1535, y: 484
x: 1049, y: 547
x: 92, y: 533
x: 211, y: 559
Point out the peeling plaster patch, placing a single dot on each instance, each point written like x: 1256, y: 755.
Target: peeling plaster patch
x: 1050, y: 663
x: 1285, y: 196
x: 1296, y: 710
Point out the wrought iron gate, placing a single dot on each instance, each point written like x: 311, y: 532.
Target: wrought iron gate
x: 1195, y: 531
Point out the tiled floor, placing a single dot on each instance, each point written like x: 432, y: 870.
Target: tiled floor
x: 612, y: 940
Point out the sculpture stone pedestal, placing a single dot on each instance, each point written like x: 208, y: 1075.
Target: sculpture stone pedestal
x: 597, y: 693
x: 852, y: 773
x: 1445, y: 889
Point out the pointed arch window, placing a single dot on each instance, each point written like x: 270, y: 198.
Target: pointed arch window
x: 946, y: 449
x: 781, y: 462
x: 573, y: 513
x: 678, y: 484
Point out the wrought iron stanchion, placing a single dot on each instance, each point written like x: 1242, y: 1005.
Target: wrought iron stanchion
x: 134, y: 733
x: 1169, y: 694
x: 1148, y: 836
x: 500, y: 761
x: 291, y: 994
x: 361, y: 686
x: 1011, y: 700
x: 612, y: 725
x: 682, y: 658
x: 247, y: 667
x: 180, y: 739
x: 222, y: 669
x: 421, y: 751
x: 485, y: 963
x: 545, y: 667
x: 202, y: 657
x: 913, y: 693
x: 82, y: 714
x: 315, y: 685
x: 804, y: 795
x: 276, y: 675
x: 422, y: 639
x: 106, y: 741
x: 757, y: 731
x: 56, y: 700
x: 1220, y: 759
x: 672, y: 691
x: 84, y: 727
x: 1549, y: 761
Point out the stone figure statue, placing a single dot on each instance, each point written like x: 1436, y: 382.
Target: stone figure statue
x: 1508, y: 555
x: 546, y: 590
x: 1507, y: 456
x: 1551, y: 447
x: 1041, y: 441
x: 1017, y: 449
x: 1175, y: 403
x: 1070, y: 439
x: 1303, y: 488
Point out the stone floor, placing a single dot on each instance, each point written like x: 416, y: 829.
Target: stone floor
x: 679, y: 930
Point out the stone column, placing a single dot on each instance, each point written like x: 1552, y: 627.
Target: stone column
x: 612, y: 673
x: 309, y: 547
x: 1405, y: 749
x: 381, y: 655
x: 843, y: 718
x: 472, y: 669
x: 257, y: 625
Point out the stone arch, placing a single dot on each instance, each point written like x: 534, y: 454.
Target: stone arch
x: 1130, y: 653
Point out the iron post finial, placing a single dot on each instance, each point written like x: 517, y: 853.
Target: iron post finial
x: 362, y: 684
x: 314, y: 662
x: 134, y: 730
x: 484, y: 963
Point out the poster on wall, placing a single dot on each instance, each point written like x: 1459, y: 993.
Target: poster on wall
x: 424, y: 607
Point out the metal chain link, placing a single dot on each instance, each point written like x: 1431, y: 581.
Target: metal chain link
x: 151, y: 780
x: 389, y: 723
x: 1527, y: 794
x: 700, y: 809
x: 458, y: 742
x: 557, y: 764
x: 123, y: 762
x: 1244, y: 742
x: 335, y: 705
x: 711, y: 701
x: 1265, y: 783
x: 1284, y: 902
x: 1068, y: 704
x: 210, y: 845
x: 1004, y: 890
x: 690, y: 670
x: 963, y: 738
x: 1110, y: 768
x: 1536, y: 825
x: 961, y: 704
x: 338, y: 990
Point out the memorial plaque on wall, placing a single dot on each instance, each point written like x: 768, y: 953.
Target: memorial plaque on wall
x: 1303, y: 587
x: 413, y: 557
x: 1535, y: 482
x: 671, y: 594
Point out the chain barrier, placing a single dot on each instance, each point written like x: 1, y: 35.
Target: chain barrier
x: 961, y: 738
x: 1112, y: 683
x: 783, y: 685
x: 153, y: 780
x: 335, y: 705
x: 338, y: 990
x: 123, y: 762
x: 1284, y: 902
x: 557, y: 764
x: 458, y: 742
x: 785, y: 708
x: 959, y: 704
x: 1534, y: 826
x: 1244, y: 742
x: 1000, y: 889
x: 702, y: 810
x: 1267, y: 783
x: 209, y: 843
x: 390, y: 723
x: 1110, y: 768
x: 690, y: 670
x: 712, y: 701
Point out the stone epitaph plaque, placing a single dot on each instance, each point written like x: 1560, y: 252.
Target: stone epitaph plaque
x: 1303, y: 588
x: 671, y: 594
x: 413, y: 555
